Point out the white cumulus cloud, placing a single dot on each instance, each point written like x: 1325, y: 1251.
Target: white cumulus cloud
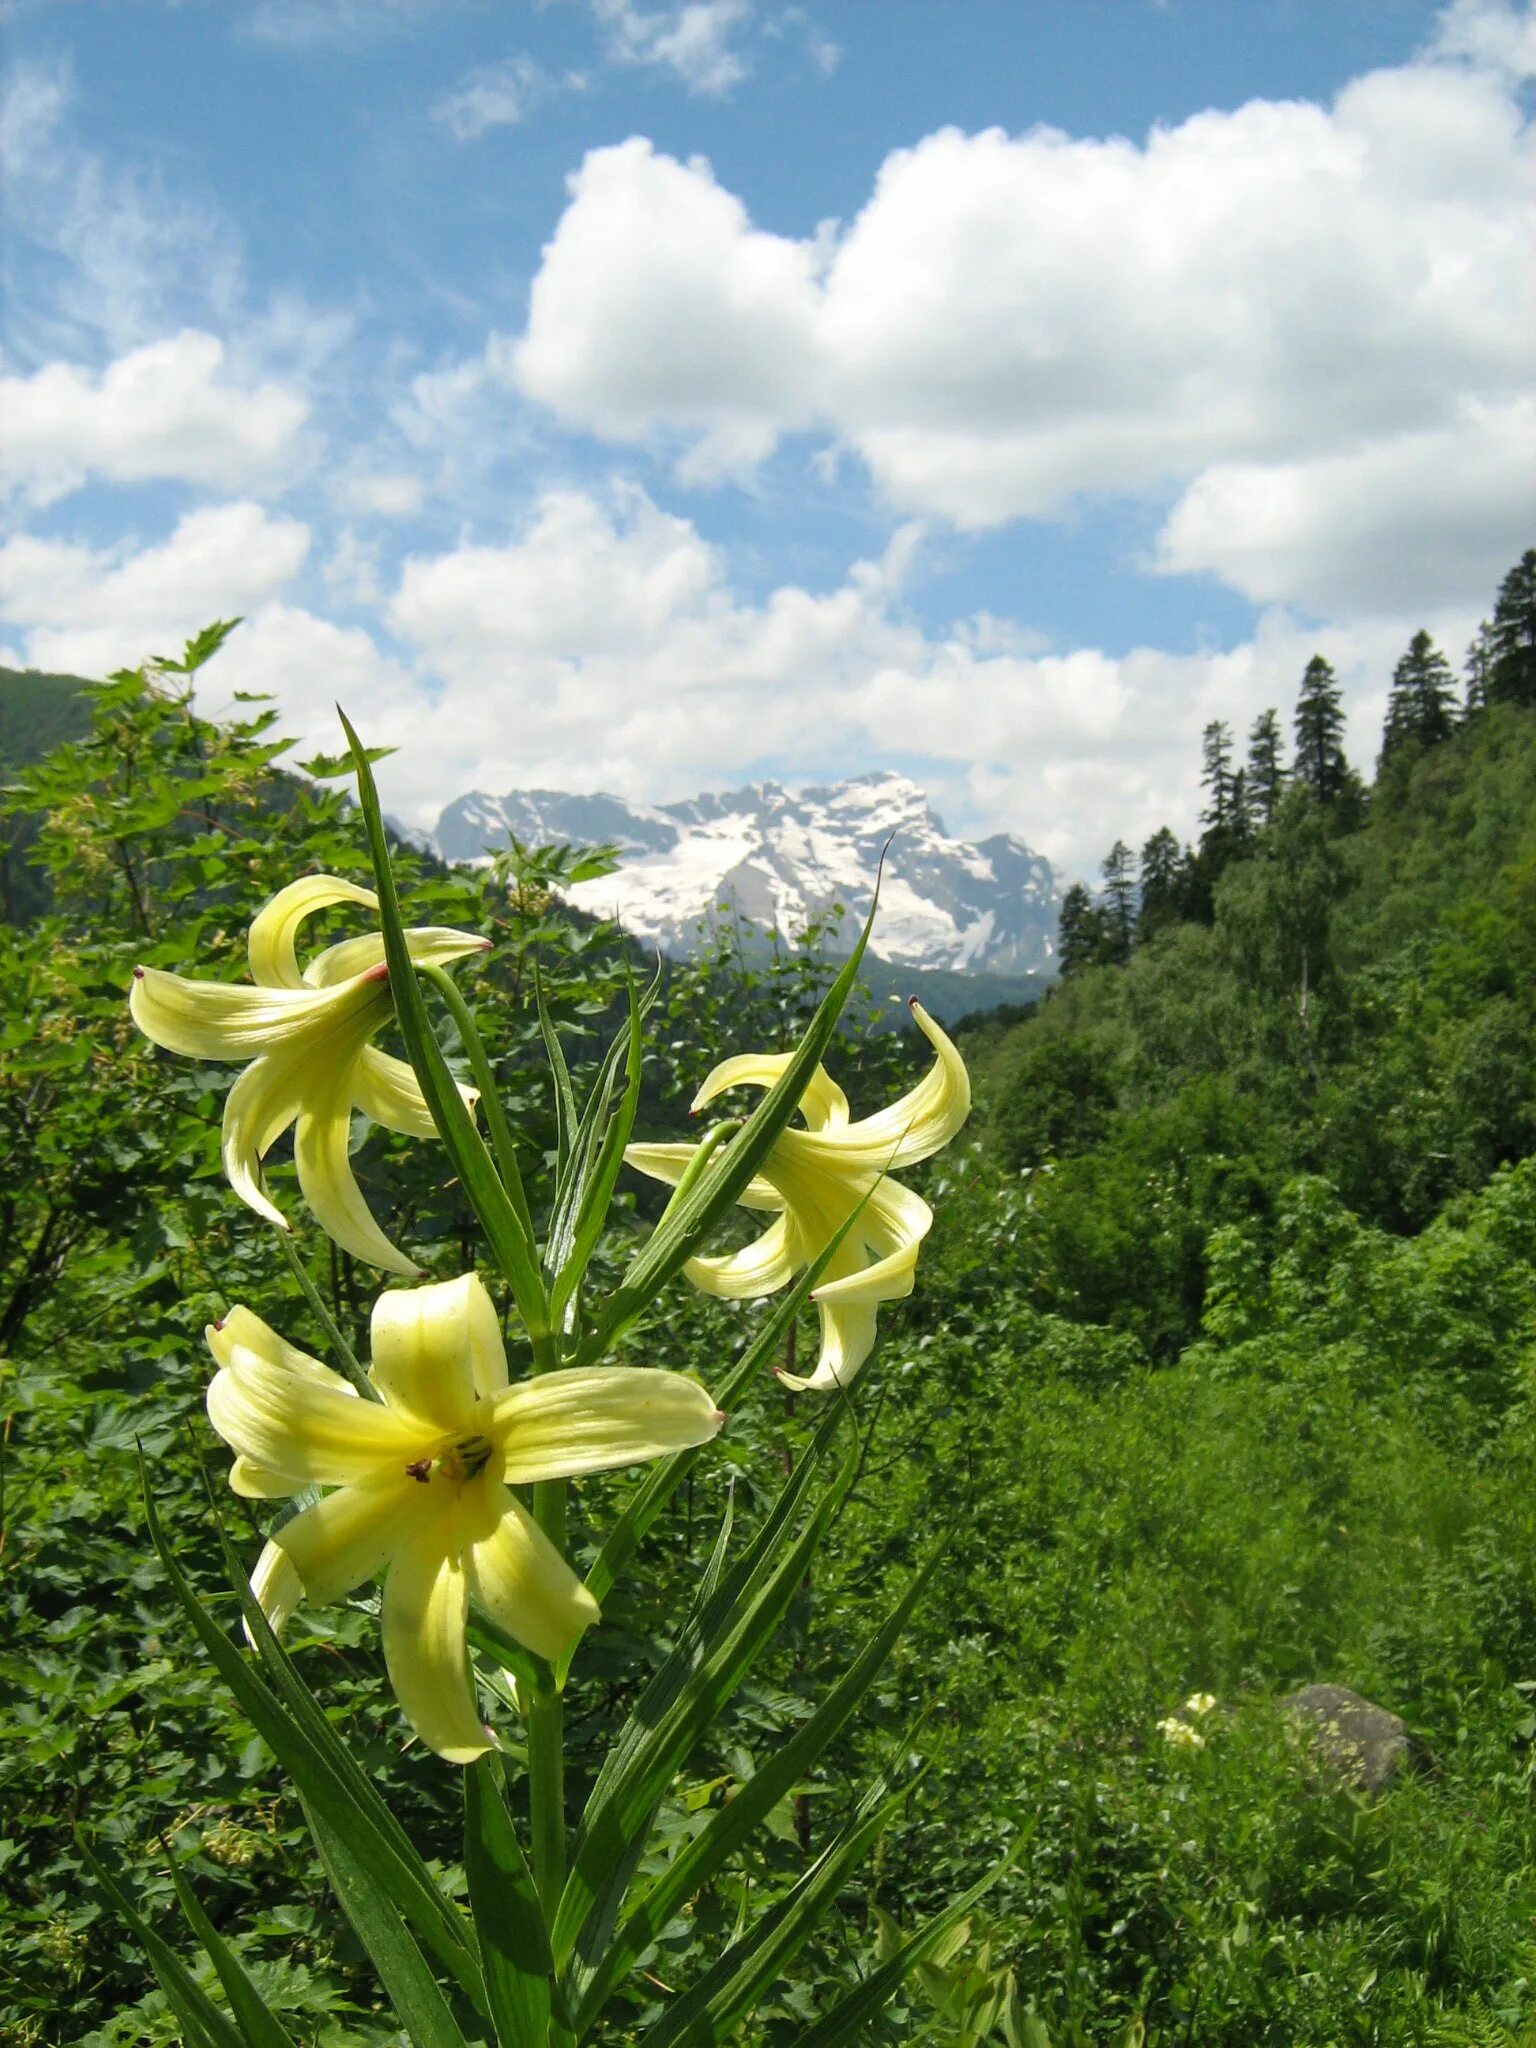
x: 167, y: 410
x: 87, y: 611
x: 1012, y: 323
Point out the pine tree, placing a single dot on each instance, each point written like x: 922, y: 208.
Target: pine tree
x: 1160, y: 884
x: 1319, y: 728
x: 1227, y: 819
x: 1080, y: 939
x: 1117, y: 911
x: 1266, y: 770
x: 1512, y: 667
x: 1216, y: 776
x: 1420, y: 708
x: 1477, y: 669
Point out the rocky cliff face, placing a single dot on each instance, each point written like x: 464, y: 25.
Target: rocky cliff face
x: 780, y: 857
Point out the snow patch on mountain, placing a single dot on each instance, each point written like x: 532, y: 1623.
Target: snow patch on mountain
x: 783, y: 857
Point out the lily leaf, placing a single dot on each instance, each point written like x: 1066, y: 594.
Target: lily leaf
x: 303, y: 1742
x: 581, y: 1208
x: 850, y: 2018
x: 697, y: 1862
x: 514, y: 1942
x: 258, y: 2024
x: 205, y: 2025
x: 718, y: 1646
x: 711, y: 2011
x: 466, y: 1148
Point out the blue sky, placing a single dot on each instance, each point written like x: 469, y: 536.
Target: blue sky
x: 650, y: 396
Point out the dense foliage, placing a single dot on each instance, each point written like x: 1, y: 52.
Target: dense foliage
x: 1217, y: 1379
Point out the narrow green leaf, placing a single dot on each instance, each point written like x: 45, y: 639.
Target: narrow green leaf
x: 341, y: 1350
x: 697, y: 1861
x: 711, y: 2010
x: 598, y: 1182
x: 565, y: 1095
x: 373, y: 1837
x: 490, y: 1096
x: 205, y: 2025
x: 466, y: 1148
x: 296, y: 1732
x: 848, y: 2020
x: 514, y: 1942
x: 414, y: 1993
x: 687, y: 1222
x: 258, y: 2024
x: 576, y: 1168
x: 715, y: 1653
x: 709, y: 1584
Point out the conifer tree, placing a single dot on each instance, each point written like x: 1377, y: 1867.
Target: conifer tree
x: 1160, y: 884
x: 1216, y: 776
x: 1477, y: 669
x: 1319, y: 729
x: 1080, y: 934
x: 1420, y: 708
x: 1266, y: 770
x: 1512, y: 649
x: 1118, y: 907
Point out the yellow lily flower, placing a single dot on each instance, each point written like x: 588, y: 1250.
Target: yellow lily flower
x: 422, y: 1481
x: 815, y: 1178
x: 312, y: 1064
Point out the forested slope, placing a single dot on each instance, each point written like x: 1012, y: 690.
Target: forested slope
x: 1337, y: 980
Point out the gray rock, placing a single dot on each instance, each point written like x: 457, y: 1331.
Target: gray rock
x: 1362, y: 1746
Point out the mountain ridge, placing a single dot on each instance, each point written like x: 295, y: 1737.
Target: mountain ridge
x: 781, y: 858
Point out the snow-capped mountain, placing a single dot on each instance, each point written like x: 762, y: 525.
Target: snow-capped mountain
x: 780, y: 857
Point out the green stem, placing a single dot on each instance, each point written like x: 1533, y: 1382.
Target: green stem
x: 339, y: 1345
x: 495, y: 1116
x: 546, y: 1733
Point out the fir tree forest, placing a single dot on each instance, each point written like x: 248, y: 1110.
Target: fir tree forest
x: 1215, y: 1383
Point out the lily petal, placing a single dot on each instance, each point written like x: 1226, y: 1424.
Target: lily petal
x: 429, y: 945
x: 344, y: 961
x: 437, y: 1350
x: 847, y: 1338
x: 518, y: 1576
x: 349, y: 1536
x: 669, y: 1163
x: 387, y: 1091
x: 921, y: 1123
x: 823, y: 1105
x: 426, y: 1600
x: 322, y: 1142
x: 219, y: 1020
x: 565, y: 1423
x: 307, y: 1429
x: 270, y: 942
x: 277, y: 1587
x: 894, y: 1223
x: 254, y: 1482
x: 238, y: 1326
x: 759, y: 1268
x: 260, y: 1106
